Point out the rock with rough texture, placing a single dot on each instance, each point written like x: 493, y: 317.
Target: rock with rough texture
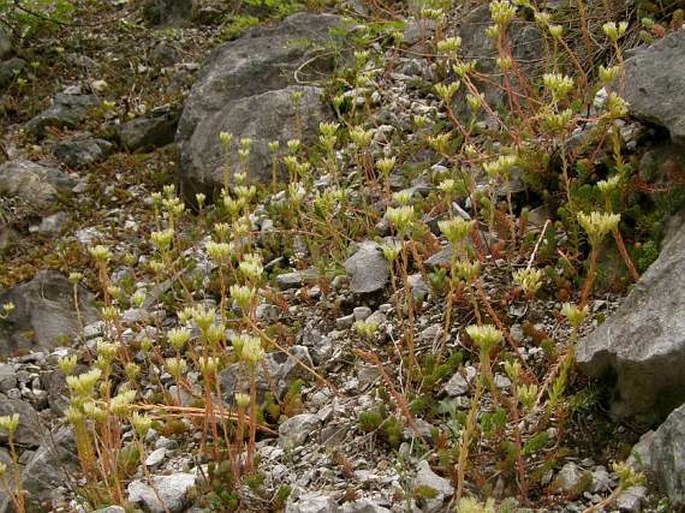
x: 296, y: 430
x: 527, y: 45
x: 51, y: 466
x: 363, y: 506
x: 153, y: 130
x: 33, y: 183
x: 67, y: 111
x: 167, y: 12
x: 572, y: 480
x: 441, y: 487
x: 655, y: 84
x: 44, y: 313
x: 642, y: 345
x: 661, y: 454
x: 367, y: 268
x: 172, y: 490
x: 631, y: 500
x: 8, y: 377
x: 312, y: 502
x: 246, y: 88
x: 81, y: 152
x: 456, y: 386
x: 51, y: 225
x: 5, y: 45
x: 282, y: 371
x: 9, y: 70
x: 30, y: 432
x: 55, y: 384
x: 270, y: 116
x: 297, y: 279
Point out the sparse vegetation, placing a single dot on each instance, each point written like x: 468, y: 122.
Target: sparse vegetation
x: 213, y: 269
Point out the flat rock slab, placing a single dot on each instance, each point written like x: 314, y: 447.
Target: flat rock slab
x: 52, y: 465
x: 312, y: 502
x: 29, y: 433
x: 655, y: 84
x: 641, y: 347
x: 44, y: 313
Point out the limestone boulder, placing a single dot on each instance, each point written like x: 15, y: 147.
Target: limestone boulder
x: 68, y: 110
x: 265, y: 117
x: 661, y: 454
x: 44, y: 313
x: 640, y: 349
x: 34, y: 185
x: 246, y: 87
x: 527, y: 48
x: 655, y: 84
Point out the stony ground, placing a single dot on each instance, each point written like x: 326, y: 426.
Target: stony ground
x: 322, y: 452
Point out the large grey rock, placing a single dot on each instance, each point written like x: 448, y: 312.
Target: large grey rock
x: 81, y: 152
x: 363, y: 506
x: 29, y: 433
x: 367, y: 268
x: 9, y: 70
x: 6, y: 459
x: 34, y: 184
x: 661, y: 454
x: 655, y: 84
x: 282, y: 370
x: 632, y: 499
x: 266, y: 117
x: 527, y: 45
x: 8, y: 377
x: 52, y: 466
x: 297, y: 279
x: 67, y: 111
x: 5, y: 45
x: 167, y: 12
x: 312, y: 502
x: 152, y: 130
x: 296, y: 430
x: 571, y: 479
x: 246, y: 88
x: 172, y: 490
x: 44, y: 313
x: 441, y: 487
x: 641, y: 347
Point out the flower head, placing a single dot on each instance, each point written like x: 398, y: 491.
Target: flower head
x: 574, y: 313
x: 598, y: 224
x: 485, y: 336
x: 456, y: 229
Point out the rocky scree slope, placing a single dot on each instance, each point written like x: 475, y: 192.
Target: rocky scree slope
x: 315, y: 444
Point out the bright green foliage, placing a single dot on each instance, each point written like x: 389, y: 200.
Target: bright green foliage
x: 370, y: 421
x: 223, y: 495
